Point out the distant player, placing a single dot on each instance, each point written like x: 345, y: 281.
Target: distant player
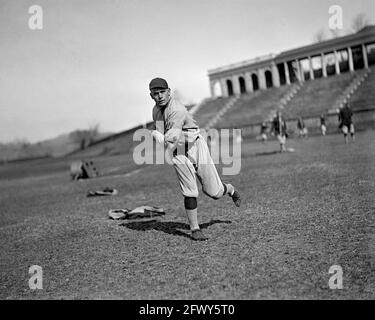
x: 346, y: 123
x: 323, y: 127
x: 194, y: 161
x: 279, y: 129
x: 263, y: 131
x: 301, y: 128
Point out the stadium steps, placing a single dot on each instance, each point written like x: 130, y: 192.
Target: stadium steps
x: 222, y: 111
x: 290, y: 95
x: 193, y: 110
x: 318, y: 96
x: 364, y: 96
x: 350, y: 90
x: 208, y: 110
x: 254, y: 107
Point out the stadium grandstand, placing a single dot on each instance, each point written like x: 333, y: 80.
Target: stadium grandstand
x: 305, y: 81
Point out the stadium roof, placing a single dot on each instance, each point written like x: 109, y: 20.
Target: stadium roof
x: 367, y: 34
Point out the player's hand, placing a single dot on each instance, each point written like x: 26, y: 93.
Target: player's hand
x: 158, y: 136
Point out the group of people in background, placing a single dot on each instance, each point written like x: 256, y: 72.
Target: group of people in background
x: 279, y: 127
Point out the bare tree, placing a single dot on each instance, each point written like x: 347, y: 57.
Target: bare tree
x: 85, y: 137
x: 319, y: 36
x: 359, y: 22
x: 94, y: 132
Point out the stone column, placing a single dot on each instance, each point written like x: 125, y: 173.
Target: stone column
x: 324, y: 69
x: 224, y: 88
x: 350, y: 55
x: 311, y: 69
x: 275, y: 75
x: 248, y: 82
x: 364, y: 52
x: 286, y: 70
x: 212, y: 89
x: 299, y: 71
x: 337, y: 66
x: 236, y: 85
x: 261, y: 79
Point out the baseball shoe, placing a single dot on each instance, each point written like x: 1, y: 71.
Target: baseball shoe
x: 236, y: 198
x: 198, y: 235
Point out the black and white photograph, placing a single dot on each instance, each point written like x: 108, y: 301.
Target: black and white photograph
x: 186, y: 155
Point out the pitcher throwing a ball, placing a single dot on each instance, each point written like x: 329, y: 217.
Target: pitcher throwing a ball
x: 190, y: 155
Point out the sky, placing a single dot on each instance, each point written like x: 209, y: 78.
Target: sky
x: 93, y: 59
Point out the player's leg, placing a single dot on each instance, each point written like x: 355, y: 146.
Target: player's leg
x: 352, y: 131
x: 345, y: 132
x: 191, y: 208
x: 279, y: 139
x: 188, y: 184
x: 282, y: 140
x: 324, y: 129
x: 212, y: 185
x: 264, y: 137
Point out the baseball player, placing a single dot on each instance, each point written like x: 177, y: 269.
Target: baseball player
x: 323, y: 127
x: 263, y: 131
x: 301, y: 128
x: 346, y: 122
x: 175, y: 127
x: 280, y: 130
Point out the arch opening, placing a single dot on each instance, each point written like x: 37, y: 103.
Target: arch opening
x: 242, y: 83
x: 254, y: 79
x: 268, y: 76
x: 230, y: 88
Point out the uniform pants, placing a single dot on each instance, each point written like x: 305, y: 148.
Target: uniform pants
x: 198, y: 164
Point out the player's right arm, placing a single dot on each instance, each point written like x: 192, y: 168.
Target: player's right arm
x: 156, y: 128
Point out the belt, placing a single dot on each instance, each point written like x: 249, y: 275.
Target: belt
x: 187, y: 129
x: 187, y: 147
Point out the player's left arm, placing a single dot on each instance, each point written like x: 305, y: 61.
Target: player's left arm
x: 158, y: 136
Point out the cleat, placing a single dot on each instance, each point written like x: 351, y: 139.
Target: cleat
x: 236, y: 198
x: 198, y: 235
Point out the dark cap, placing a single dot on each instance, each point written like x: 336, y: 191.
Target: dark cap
x: 158, y: 83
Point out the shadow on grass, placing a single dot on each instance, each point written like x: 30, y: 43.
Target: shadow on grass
x: 169, y: 227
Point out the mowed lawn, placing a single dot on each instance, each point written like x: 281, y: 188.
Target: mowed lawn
x: 302, y: 213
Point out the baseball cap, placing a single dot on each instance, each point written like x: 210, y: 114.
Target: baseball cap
x: 158, y: 83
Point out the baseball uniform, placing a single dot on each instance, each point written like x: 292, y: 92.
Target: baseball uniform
x: 191, y: 156
x: 188, y: 151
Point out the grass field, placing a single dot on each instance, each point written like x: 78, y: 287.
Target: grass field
x: 302, y: 212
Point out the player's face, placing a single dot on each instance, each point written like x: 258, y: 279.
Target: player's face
x: 161, y: 96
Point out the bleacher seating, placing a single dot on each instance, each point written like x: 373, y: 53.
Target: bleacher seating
x: 254, y: 107
x: 315, y: 97
x: 364, y: 97
x: 208, y: 110
x: 318, y: 96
